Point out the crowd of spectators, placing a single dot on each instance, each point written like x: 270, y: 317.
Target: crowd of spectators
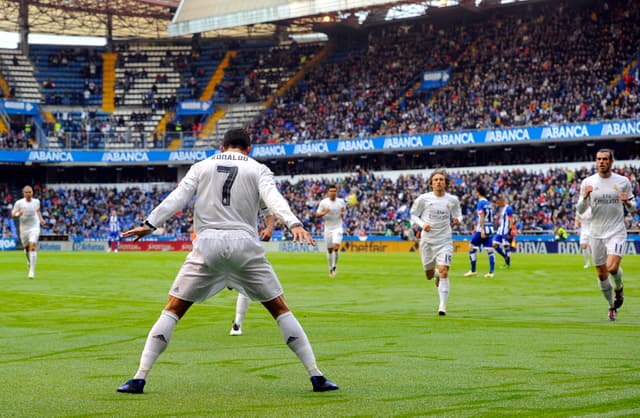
x: 15, y: 139
x: 377, y: 205
x: 89, y: 70
x: 533, y: 65
x: 254, y: 73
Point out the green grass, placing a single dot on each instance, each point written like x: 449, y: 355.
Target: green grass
x: 533, y: 341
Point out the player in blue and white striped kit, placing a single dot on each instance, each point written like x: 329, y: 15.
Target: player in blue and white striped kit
x: 483, y: 235
x: 114, y: 231
x: 502, y: 240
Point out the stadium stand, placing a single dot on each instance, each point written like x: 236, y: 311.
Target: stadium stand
x: 536, y: 64
x: 542, y: 197
x: 69, y: 76
x: 18, y: 72
x: 550, y: 64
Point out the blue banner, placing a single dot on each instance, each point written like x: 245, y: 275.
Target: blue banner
x: 566, y: 247
x: 569, y: 132
x: 195, y: 107
x: 110, y: 157
x: 461, y: 139
x: 434, y: 79
x: 17, y: 107
x: 8, y: 244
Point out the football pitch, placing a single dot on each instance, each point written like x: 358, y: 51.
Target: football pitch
x: 533, y: 341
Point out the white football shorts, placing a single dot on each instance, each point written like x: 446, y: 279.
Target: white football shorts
x: 333, y: 237
x: 602, y: 247
x: 438, y: 253
x: 29, y: 235
x: 585, y: 238
x: 222, y: 259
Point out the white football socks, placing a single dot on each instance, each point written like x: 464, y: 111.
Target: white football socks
x: 33, y: 258
x: 617, y: 278
x: 295, y: 337
x: 242, y: 305
x: 157, y: 341
x: 607, y: 290
x: 443, y: 291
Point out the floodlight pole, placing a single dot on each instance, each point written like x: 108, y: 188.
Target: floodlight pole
x: 110, y: 31
x: 23, y: 21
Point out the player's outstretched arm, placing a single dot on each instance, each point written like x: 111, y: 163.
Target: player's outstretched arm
x: 301, y: 235
x: 139, y: 232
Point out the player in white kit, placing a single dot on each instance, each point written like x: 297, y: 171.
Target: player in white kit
x: 227, y: 188
x: 27, y: 210
x: 434, y: 212
x: 606, y: 193
x: 583, y: 221
x: 332, y: 209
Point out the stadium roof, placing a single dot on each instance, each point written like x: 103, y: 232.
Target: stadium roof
x: 198, y: 16
x: 159, y: 19
x: 127, y: 18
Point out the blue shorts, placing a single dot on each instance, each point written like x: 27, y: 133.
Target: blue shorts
x: 502, y: 239
x: 478, y: 241
x: 114, y: 236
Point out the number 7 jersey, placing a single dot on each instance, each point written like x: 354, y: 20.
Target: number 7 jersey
x: 228, y: 188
